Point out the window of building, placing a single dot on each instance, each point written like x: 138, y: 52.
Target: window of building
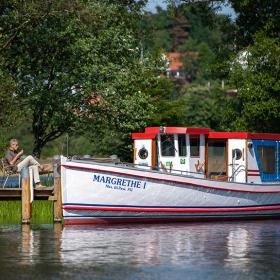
x: 167, y: 145
x: 194, y: 145
x: 267, y: 159
x: 182, y: 145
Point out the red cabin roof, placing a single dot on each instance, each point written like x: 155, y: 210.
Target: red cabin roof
x: 243, y: 135
x: 151, y: 133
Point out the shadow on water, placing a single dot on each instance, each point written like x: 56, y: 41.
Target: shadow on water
x: 236, y: 250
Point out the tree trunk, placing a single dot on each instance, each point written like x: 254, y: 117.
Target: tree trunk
x: 38, y: 146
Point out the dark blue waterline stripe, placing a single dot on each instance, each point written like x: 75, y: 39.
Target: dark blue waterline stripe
x: 176, y: 207
x: 181, y: 216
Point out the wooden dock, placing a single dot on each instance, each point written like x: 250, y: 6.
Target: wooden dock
x: 24, y: 194
x: 15, y: 194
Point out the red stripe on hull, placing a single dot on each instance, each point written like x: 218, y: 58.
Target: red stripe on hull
x: 96, y: 221
x: 170, y: 181
x: 173, y: 210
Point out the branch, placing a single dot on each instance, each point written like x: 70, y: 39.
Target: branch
x: 53, y: 135
x: 18, y: 30
x: 15, y: 34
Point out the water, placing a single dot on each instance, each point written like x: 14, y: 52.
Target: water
x: 229, y: 250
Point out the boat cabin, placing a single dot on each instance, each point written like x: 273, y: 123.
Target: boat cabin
x: 231, y: 156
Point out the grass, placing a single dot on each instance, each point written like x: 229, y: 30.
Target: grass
x: 10, y: 212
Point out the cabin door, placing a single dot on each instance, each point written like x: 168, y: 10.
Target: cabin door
x: 268, y: 159
x: 182, y: 161
x: 237, y: 160
x: 217, y: 158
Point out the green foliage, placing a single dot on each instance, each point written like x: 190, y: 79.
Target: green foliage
x: 205, y: 106
x: 166, y: 101
x: 56, y: 56
x: 9, y: 107
x: 198, y: 65
x: 62, y: 54
x: 190, y: 27
x: 257, y: 107
x: 155, y: 29
x: 255, y: 16
x: 166, y: 29
x: 193, y: 105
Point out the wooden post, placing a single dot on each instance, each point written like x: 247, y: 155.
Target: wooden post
x: 57, y: 211
x: 25, y: 196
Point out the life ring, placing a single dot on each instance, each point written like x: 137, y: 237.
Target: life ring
x: 199, y: 166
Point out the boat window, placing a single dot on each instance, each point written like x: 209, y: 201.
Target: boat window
x: 267, y: 158
x: 167, y: 145
x: 236, y: 154
x: 143, y: 153
x: 182, y: 145
x: 194, y: 145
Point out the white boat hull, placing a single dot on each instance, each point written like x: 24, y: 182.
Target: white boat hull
x: 107, y: 193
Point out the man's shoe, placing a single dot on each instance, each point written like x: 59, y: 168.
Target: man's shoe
x: 40, y: 187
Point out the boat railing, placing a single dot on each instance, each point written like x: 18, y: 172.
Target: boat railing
x: 202, y: 174
x: 239, y: 169
x: 118, y: 162
x: 159, y: 169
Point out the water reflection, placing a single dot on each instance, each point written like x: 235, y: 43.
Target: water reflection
x: 238, y: 247
x: 27, y: 246
x: 139, y: 251
x: 231, y: 245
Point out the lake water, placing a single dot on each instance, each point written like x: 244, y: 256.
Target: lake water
x: 229, y: 250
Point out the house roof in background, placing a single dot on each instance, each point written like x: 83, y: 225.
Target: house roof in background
x: 175, y: 59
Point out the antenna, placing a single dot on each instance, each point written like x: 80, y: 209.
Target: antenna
x: 67, y: 144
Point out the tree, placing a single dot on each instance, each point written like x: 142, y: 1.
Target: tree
x: 256, y: 107
x: 75, y: 60
x: 179, y: 30
x: 204, y: 107
x: 9, y: 109
x: 255, y: 16
x: 155, y: 27
x: 168, y: 105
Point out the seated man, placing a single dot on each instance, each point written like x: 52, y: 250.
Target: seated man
x: 13, y: 158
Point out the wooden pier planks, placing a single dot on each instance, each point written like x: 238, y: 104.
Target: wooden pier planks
x: 23, y: 194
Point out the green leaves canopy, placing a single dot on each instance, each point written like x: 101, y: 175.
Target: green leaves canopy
x: 257, y: 104
x: 73, y: 60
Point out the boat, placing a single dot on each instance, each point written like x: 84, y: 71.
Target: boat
x: 178, y: 174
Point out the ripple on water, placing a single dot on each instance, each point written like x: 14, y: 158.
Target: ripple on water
x: 249, y: 250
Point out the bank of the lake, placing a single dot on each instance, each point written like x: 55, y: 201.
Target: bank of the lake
x: 10, y: 212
